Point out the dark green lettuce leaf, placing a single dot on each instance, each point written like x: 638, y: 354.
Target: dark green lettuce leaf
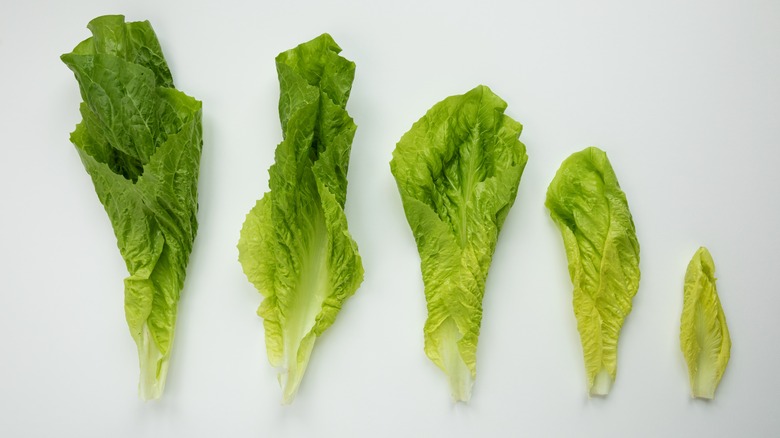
x: 140, y: 140
x: 458, y: 170
x: 590, y: 209
x: 295, y: 246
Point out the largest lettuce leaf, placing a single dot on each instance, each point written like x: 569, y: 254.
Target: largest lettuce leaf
x: 458, y: 170
x: 590, y: 209
x: 140, y: 140
x: 295, y: 246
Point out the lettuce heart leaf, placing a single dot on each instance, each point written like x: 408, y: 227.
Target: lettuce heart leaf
x: 458, y: 169
x: 591, y: 211
x: 295, y: 246
x: 704, y: 335
x: 140, y: 140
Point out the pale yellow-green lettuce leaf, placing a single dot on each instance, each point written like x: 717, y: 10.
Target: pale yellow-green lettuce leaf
x: 704, y: 335
x: 591, y: 211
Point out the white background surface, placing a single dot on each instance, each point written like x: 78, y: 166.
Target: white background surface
x: 684, y: 97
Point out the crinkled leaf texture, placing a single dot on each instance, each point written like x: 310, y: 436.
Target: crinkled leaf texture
x: 140, y: 140
x: 704, y: 335
x: 458, y: 170
x: 590, y: 209
x: 295, y: 246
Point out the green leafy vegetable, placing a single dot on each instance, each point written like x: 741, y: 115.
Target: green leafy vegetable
x: 140, y: 141
x: 294, y: 246
x: 590, y: 209
x: 704, y: 335
x: 458, y: 170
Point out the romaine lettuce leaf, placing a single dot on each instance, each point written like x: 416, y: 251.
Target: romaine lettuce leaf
x: 458, y: 170
x: 295, y: 246
x: 590, y: 209
x: 704, y: 335
x: 140, y: 140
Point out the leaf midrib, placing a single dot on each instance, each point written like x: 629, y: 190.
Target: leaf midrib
x: 469, y: 179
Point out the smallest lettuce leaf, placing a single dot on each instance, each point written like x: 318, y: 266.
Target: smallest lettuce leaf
x: 704, y: 335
